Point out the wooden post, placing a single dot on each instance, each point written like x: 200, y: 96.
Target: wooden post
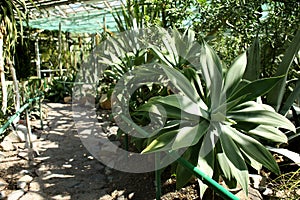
x: 38, y: 60
x: 59, y: 49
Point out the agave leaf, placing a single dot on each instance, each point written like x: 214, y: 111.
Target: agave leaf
x: 235, y: 74
x: 169, y: 44
x: 193, y: 54
x: 291, y: 98
x: 174, y: 139
x: 169, y: 126
x: 254, y: 89
x: 183, y: 103
x: 170, y: 111
x: 206, y: 158
x: 248, y: 106
x: 224, y: 165
x: 183, y: 175
x: 269, y: 133
x: 252, y: 148
x: 253, y: 62
x: 237, y: 165
x: 275, y: 96
x: 189, y: 136
x: 181, y: 83
x: 212, y: 73
x: 194, y: 79
x: 161, y: 56
x: 252, y: 162
x: 162, y: 142
x: 258, y: 115
x: 180, y: 44
x: 293, y: 136
x: 206, y: 163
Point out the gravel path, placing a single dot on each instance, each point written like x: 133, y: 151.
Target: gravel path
x: 62, y: 168
x: 68, y: 171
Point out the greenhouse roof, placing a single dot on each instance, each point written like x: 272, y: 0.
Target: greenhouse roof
x: 77, y: 16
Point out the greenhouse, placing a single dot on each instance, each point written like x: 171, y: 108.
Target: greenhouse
x: 149, y: 99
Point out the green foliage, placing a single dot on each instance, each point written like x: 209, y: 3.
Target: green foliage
x: 231, y: 26
x: 60, y: 87
x: 12, y: 15
x: 148, y: 13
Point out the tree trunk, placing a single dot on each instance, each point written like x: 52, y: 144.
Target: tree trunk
x: 2, y: 77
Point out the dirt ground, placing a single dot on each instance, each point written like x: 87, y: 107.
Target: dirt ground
x: 61, y: 168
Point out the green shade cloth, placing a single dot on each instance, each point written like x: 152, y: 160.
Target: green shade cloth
x: 87, y: 23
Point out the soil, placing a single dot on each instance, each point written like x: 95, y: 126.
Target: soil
x: 61, y: 168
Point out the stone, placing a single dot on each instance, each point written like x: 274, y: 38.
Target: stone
x: 32, y: 196
x: 23, y: 134
x: 23, y: 182
x: 24, y: 172
x: 113, y: 130
x: 106, y: 197
x: 34, y: 186
x: 22, y: 185
x: 26, y: 179
x: 90, y: 157
x: 268, y: 191
x: 67, y: 99
x: 130, y: 196
x: 7, y: 145
x: 24, y: 155
x: 67, y: 166
x: 252, y: 194
x: 117, y: 193
x: 121, y: 197
x: 3, y: 194
x: 3, y: 184
x: 13, y: 137
x: 255, y: 179
x: 15, y: 195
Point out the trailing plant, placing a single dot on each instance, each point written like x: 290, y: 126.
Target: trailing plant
x: 213, y: 112
x: 287, y: 185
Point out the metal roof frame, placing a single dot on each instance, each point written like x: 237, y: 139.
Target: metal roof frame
x: 86, y: 16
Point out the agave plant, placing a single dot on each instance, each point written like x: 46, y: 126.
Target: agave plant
x: 212, y: 112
